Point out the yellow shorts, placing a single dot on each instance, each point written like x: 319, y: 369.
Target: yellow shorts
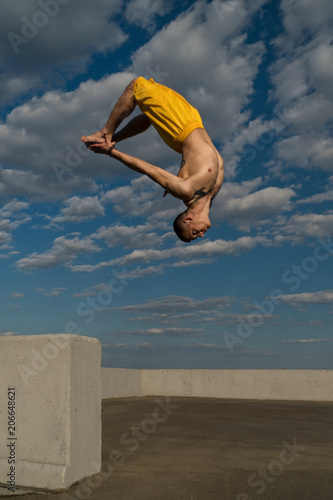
x: 171, y: 115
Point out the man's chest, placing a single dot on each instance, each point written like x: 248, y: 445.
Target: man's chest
x: 188, y: 169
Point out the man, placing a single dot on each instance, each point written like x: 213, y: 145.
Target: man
x: 179, y: 124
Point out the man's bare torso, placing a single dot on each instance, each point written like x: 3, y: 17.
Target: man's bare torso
x: 202, y: 165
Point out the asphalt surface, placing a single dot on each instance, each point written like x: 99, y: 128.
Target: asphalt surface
x: 210, y: 449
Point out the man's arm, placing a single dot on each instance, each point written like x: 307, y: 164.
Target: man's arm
x: 219, y: 180
x: 179, y: 188
x: 136, y: 126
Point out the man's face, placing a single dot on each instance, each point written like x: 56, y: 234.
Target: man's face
x: 197, y: 229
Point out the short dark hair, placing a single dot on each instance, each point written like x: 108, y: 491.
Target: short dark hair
x: 178, y: 227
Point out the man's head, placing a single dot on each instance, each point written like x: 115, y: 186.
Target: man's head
x: 189, y: 227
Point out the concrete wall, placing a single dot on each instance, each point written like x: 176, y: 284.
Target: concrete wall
x: 57, y: 386
x: 120, y: 383
x: 296, y: 385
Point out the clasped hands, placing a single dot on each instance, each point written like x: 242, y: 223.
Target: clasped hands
x: 106, y: 148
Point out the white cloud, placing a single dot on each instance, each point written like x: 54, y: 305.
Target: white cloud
x: 308, y: 113
x: 16, y: 295
x: 78, y: 209
x: 301, y: 226
x: 140, y: 272
x: 301, y: 17
x: 5, y: 239
x: 94, y: 290
x: 63, y: 252
x: 13, y: 206
x: 244, y: 204
x: 172, y: 304
x: 143, y: 12
x: 210, y: 249
x: 307, y: 151
x: 12, y: 216
x: 238, y: 318
x: 161, y: 332
x: 322, y: 297
x: 40, y: 186
x: 289, y: 79
x: 306, y: 341
x: 143, y: 197
x: 140, y: 236
x: 68, y: 36
x: 55, y: 292
x: 256, y: 206
x: 193, y: 262
x: 319, y: 197
x: 302, y: 79
x: 243, y: 144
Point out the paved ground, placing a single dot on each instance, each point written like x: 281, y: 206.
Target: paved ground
x: 211, y: 449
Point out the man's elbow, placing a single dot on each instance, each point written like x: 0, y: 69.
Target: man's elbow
x: 187, y: 193
x: 179, y: 189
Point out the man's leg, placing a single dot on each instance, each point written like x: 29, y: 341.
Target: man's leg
x: 136, y: 126
x: 123, y: 108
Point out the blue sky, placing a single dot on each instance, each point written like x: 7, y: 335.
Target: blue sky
x: 87, y: 246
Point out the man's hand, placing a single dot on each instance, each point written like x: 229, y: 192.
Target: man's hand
x: 104, y: 148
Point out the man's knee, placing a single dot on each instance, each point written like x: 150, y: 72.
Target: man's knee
x: 129, y: 91
x: 130, y: 86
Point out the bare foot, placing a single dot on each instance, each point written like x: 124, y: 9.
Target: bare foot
x: 98, y: 137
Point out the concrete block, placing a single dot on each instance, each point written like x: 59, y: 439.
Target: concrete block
x: 50, y: 393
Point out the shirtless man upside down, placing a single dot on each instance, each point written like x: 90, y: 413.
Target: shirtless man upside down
x: 180, y: 126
